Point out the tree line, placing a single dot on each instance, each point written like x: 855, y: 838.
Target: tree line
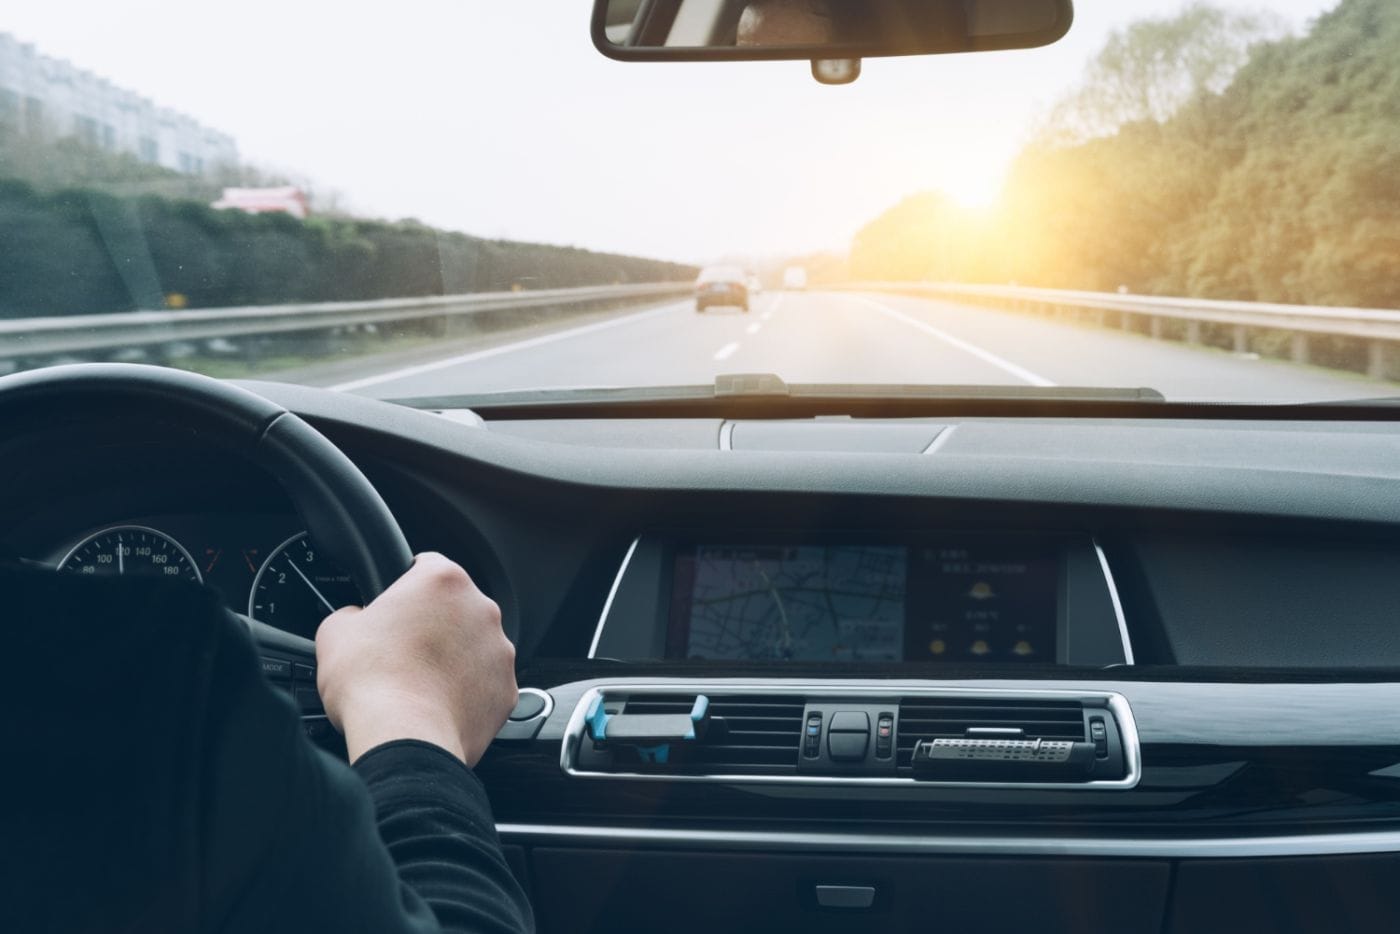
x: 85, y: 250
x: 1259, y: 167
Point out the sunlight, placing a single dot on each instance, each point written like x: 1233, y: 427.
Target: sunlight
x: 973, y: 180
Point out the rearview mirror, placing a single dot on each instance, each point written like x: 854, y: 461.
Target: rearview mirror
x: 741, y: 30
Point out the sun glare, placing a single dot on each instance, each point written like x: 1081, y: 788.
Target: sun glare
x: 975, y: 197
x: 974, y: 185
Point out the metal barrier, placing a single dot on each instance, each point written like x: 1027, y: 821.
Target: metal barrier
x: 1376, y: 328
x: 112, y: 334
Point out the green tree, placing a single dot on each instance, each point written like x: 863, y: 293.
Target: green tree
x: 1279, y: 186
x: 1153, y: 68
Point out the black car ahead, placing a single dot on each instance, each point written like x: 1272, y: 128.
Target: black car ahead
x: 722, y: 285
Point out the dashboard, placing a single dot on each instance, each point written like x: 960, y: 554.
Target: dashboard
x: 263, y: 565
x: 1155, y: 659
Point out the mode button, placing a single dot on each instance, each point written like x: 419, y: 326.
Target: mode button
x: 850, y: 721
x: 847, y: 747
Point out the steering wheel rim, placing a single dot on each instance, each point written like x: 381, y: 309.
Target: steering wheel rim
x: 340, y: 507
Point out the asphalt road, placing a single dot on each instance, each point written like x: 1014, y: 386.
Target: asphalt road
x: 830, y: 337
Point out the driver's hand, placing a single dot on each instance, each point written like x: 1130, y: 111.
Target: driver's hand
x: 426, y: 660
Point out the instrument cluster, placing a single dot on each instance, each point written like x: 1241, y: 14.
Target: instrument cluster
x: 265, y: 566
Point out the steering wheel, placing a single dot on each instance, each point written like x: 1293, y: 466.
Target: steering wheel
x: 342, y: 511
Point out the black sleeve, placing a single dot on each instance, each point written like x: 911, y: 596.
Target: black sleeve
x: 290, y: 835
x: 436, y: 821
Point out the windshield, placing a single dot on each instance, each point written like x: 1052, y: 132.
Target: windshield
x: 436, y: 198
x: 722, y: 274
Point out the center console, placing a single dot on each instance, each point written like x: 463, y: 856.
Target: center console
x: 842, y: 730
x: 784, y: 604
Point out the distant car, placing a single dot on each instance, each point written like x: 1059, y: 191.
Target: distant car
x: 795, y: 278
x: 721, y: 285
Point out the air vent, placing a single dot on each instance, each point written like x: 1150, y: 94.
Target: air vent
x: 828, y: 733
x: 745, y: 735
x: 756, y: 736
x: 928, y: 718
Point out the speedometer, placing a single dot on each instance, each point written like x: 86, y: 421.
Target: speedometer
x: 298, y: 586
x: 130, y: 550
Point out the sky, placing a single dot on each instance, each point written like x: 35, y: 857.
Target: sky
x: 500, y: 118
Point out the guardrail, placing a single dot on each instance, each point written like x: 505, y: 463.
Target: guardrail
x: 1235, y: 323
x: 32, y: 339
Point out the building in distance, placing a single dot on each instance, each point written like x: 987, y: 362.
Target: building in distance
x: 47, y: 98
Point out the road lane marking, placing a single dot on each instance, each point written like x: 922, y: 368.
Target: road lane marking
x: 753, y: 328
x: 497, y: 351
x: 727, y: 351
x: 986, y: 356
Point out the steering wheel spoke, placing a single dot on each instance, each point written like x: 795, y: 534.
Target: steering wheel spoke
x: 289, y: 664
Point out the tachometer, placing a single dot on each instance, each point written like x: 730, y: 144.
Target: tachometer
x: 298, y: 586
x: 133, y: 550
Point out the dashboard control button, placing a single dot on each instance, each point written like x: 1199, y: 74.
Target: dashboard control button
x: 884, y: 736
x: 278, y: 668
x: 845, y: 896
x: 812, y: 737
x: 304, y: 672
x: 850, y: 721
x: 1099, y: 734
x: 308, y: 700
x: 528, y: 706
x: 847, y: 747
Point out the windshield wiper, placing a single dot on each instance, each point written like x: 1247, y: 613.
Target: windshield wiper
x: 767, y: 395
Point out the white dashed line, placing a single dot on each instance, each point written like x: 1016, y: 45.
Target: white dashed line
x: 727, y: 351
x: 772, y: 307
x: 443, y: 364
x: 753, y: 328
x: 986, y: 356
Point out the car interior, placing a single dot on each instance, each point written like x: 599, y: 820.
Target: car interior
x: 1186, y: 718
x: 1095, y: 661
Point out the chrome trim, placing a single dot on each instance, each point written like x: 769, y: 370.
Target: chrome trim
x: 548, y: 704
x: 726, y: 435
x: 1385, y: 841
x: 940, y: 439
x: 1116, y: 704
x: 612, y: 593
x: 1117, y: 604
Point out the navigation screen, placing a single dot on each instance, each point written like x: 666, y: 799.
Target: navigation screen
x: 883, y: 603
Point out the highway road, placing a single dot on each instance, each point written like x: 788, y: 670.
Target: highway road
x: 827, y: 337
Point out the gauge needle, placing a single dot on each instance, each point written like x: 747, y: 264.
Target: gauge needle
x: 323, y: 600
x: 121, y: 562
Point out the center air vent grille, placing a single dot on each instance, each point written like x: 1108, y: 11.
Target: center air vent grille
x: 748, y: 735
x: 925, y: 718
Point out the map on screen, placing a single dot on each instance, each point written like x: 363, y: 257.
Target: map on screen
x: 796, y: 602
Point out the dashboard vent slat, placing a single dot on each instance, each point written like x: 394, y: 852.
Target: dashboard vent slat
x: 926, y: 718
x: 748, y: 735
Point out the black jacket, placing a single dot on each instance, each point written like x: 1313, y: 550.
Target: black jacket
x: 153, y: 781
